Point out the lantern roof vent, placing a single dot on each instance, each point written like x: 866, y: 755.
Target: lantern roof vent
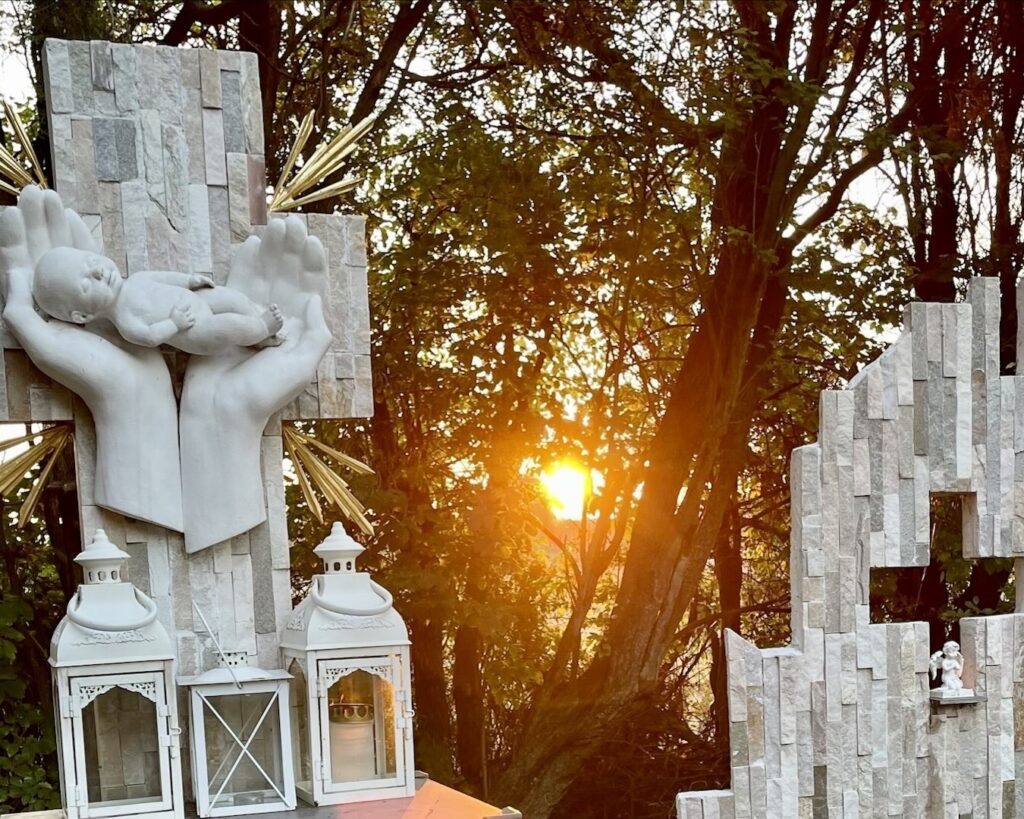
x: 108, y: 620
x: 339, y: 551
x: 101, y: 560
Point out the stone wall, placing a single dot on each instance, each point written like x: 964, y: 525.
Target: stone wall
x: 160, y: 150
x: 839, y: 723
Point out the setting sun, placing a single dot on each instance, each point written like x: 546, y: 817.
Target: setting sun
x: 567, y: 486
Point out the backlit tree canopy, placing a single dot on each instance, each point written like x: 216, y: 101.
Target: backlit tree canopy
x: 635, y: 237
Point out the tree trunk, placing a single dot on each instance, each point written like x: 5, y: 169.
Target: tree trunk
x: 670, y: 542
x: 939, y: 119
x: 729, y: 575
x: 430, y: 699
x: 468, y: 697
x: 467, y: 670
x: 1005, y: 228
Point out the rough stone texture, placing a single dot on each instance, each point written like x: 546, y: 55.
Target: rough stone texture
x: 130, y: 155
x: 137, y: 178
x: 839, y: 724
x: 171, y: 172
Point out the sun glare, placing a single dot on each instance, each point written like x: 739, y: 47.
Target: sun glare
x: 566, y: 486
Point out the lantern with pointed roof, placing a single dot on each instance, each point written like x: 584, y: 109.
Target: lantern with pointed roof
x: 113, y: 685
x: 347, y: 650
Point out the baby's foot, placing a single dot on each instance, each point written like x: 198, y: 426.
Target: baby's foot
x: 275, y: 340
x: 273, y: 318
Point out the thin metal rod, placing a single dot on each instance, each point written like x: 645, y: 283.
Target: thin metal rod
x: 216, y: 642
x: 245, y: 729
x: 245, y: 749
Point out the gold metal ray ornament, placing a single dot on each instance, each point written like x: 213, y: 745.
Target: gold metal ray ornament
x: 306, y: 455
x: 325, y: 161
x: 13, y: 176
x: 47, y: 450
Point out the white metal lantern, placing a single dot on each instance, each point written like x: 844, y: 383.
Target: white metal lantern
x: 241, y: 743
x: 113, y: 688
x: 347, y: 650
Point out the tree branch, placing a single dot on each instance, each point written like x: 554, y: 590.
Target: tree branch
x: 197, y: 11
x: 409, y: 16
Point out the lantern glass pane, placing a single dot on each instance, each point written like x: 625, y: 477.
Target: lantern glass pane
x: 298, y: 702
x: 243, y: 749
x: 361, y: 714
x: 122, y: 756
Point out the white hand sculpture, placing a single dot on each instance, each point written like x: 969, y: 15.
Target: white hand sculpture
x: 126, y: 388
x: 228, y: 398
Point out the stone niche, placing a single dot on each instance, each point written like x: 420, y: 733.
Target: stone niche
x: 839, y: 723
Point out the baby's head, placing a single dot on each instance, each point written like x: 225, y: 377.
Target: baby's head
x: 75, y: 285
x: 951, y: 648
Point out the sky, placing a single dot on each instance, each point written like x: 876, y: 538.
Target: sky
x: 15, y: 79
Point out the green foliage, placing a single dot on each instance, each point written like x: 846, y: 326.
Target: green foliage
x: 550, y: 200
x: 950, y: 587
x: 26, y: 733
x: 31, y: 603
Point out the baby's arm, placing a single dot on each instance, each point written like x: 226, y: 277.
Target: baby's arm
x: 171, y: 277
x: 136, y: 331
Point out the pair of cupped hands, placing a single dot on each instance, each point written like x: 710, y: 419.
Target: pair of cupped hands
x: 286, y: 267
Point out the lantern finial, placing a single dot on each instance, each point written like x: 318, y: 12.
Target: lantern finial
x: 339, y: 551
x: 101, y: 560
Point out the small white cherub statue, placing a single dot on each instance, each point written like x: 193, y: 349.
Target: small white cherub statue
x: 951, y: 663
x: 150, y: 308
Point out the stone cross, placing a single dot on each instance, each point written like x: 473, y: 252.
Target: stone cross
x: 161, y: 152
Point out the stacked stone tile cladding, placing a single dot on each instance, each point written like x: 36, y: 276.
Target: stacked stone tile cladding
x: 161, y: 152
x: 839, y: 723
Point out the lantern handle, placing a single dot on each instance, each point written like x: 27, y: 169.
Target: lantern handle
x: 321, y: 602
x: 87, y: 622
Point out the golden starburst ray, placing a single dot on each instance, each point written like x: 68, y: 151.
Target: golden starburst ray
x: 291, y: 191
x: 314, y: 475
x: 46, y: 449
x: 13, y: 175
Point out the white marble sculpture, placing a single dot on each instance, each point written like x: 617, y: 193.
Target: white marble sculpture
x: 151, y: 307
x: 228, y: 399
x: 127, y: 388
x: 101, y: 343
x: 949, y: 662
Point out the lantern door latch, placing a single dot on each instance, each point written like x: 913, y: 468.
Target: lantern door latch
x: 174, y: 740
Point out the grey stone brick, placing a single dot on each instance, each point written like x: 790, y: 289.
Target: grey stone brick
x: 116, y: 152
x: 80, y: 56
x: 102, y: 65
x: 57, y: 75
x: 231, y: 105
x: 213, y: 142
x: 125, y: 70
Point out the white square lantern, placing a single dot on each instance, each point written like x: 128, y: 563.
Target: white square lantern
x: 347, y: 650
x: 113, y: 688
x: 241, y: 742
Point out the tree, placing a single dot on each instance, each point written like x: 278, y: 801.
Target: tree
x: 35, y: 586
x: 640, y: 236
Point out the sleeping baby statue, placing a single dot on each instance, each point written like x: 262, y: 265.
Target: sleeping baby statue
x: 150, y: 308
